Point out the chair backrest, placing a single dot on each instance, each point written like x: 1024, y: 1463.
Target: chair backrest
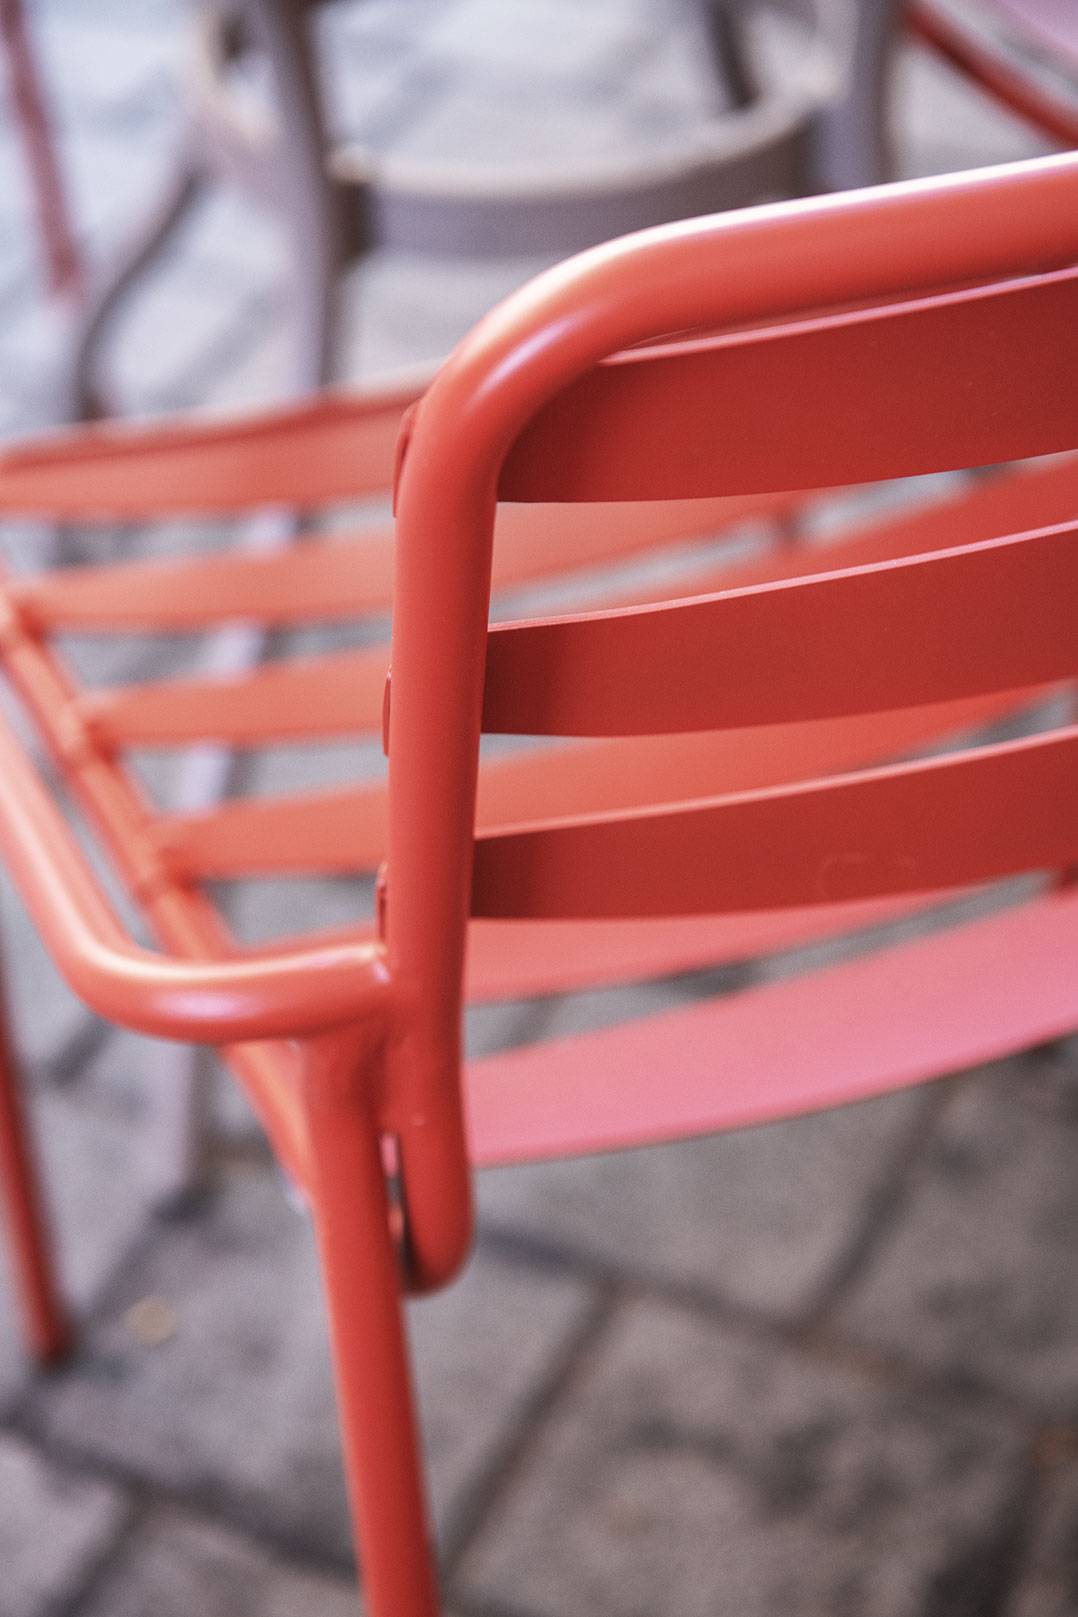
x: 881, y: 334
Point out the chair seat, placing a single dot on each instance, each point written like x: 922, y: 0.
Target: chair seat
x: 928, y: 1008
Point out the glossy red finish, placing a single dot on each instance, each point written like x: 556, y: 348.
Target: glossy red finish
x: 936, y: 323
x: 343, y: 830
x: 363, y: 1297
x: 970, y: 817
x: 768, y: 264
x: 334, y: 447
x: 207, y: 999
x: 341, y: 693
x: 330, y: 578
x: 982, y: 617
x: 812, y: 403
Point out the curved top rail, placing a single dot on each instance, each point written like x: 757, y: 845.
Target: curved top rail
x: 751, y: 264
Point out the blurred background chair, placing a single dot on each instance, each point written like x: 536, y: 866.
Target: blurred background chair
x: 1026, y: 57
x: 257, y: 117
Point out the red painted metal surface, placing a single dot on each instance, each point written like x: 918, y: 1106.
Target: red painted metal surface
x: 342, y: 830
x: 208, y: 996
x: 335, y: 447
x: 814, y: 403
x: 342, y: 693
x: 982, y: 617
x: 936, y: 323
x: 969, y: 817
x: 362, y: 1285
x: 328, y: 579
x: 820, y: 1040
x: 739, y: 270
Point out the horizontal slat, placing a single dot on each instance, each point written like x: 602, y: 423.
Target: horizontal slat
x: 969, y: 817
x: 326, y: 580
x: 603, y: 777
x: 935, y: 1006
x: 963, y: 378
x: 891, y: 634
x: 330, y: 579
x: 340, y: 446
x: 1039, y: 494
x: 336, y: 831
x: 311, y: 580
x: 342, y: 694
x: 339, y: 693
x: 514, y: 960
x: 343, y: 830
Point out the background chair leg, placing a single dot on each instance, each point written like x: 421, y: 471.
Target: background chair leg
x: 81, y: 398
x: 309, y: 198
x: 370, y: 1353
x: 31, y: 114
x: 45, y: 1325
x: 853, y: 136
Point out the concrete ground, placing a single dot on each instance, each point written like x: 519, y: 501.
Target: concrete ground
x: 828, y: 1367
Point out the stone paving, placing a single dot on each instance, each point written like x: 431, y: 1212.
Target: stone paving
x: 828, y: 1367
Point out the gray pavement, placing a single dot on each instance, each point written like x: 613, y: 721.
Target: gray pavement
x: 823, y: 1369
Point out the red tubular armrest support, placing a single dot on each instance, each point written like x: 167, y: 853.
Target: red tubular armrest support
x: 257, y: 996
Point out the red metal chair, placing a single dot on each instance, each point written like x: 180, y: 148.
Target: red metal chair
x: 755, y: 773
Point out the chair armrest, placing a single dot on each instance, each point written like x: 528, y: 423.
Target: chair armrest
x: 258, y: 995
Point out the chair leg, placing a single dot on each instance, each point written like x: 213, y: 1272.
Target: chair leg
x: 45, y: 1325
x: 853, y: 145
x: 309, y: 197
x: 370, y: 1352
x: 81, y: 398
x: 31, y: 114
